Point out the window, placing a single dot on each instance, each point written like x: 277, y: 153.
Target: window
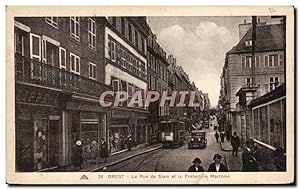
x: 266, y: 61
x: 248, y: 43
x: 258, y: 89
x: 35, y: 47
x: 114, y: 21
x: 19, y: 43
x: 92, y: 34
x: 257, y: 61
x: 92, y: 70
x: 130, y: 32
x: 248, y: 81
x: 123, y: 56
x: 274, y: 82
x: 62, y: 58
x: 133, y: 35
x: 113, y: 51
x: 136, y: 38
x: 75, y: 27
x: 123, y: 25
x: 116, y: 85
x: 74, y: 63
x: 248, y: 61
x: 280, y: 58
x: 243, y: 62
x: 275, y: 58
x: 271, y: 60
x: 53, y: 21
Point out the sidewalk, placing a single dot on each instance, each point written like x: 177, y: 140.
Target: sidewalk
x: 112, y: 160
x: 226, y: 146
x: 233, y: 163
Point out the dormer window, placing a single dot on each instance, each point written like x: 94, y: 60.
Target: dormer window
x: 248, y: 43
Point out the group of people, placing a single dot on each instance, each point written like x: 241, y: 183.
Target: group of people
x: 77, y: 160
x: 234, y: 140
x: 216, y: 166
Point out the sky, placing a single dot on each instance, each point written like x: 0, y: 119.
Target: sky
x: 200, y: 45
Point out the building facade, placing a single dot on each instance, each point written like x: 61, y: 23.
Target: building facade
x: 237, y: 71
x: 126, y: 70
x: 59, y: 76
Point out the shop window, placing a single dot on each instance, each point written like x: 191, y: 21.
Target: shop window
x: 75, y: 28
x: 92, y: 34
x: 53, y: 21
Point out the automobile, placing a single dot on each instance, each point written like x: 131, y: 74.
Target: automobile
x: 197, y: 139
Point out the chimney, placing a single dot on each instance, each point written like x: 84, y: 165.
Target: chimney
x: 243, y: 28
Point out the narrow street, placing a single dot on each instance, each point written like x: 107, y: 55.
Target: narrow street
x: 172, y: 160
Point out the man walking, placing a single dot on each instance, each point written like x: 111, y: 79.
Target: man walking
x: 222, y: 135
x: 217, y: 136
x: 235, y: 143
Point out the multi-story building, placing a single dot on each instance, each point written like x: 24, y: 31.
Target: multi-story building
x: 269, y: 65
x: 126, y: 70
x: 157, y: 81
x: 59, y: 76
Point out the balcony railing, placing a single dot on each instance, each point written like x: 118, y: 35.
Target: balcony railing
x: 34, y: 72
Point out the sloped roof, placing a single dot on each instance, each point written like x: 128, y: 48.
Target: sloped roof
x: 268, y: 38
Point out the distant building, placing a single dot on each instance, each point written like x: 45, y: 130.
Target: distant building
x: 157, y: 81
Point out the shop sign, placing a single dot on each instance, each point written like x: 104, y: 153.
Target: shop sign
x: 84, y: 106
x: 35, y: 95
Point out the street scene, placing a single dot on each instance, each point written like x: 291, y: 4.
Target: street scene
x: 150, y: 94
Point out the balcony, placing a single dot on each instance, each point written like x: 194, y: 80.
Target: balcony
x: 37, y: 73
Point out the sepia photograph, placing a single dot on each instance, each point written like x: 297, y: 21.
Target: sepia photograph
x: 150, y: 97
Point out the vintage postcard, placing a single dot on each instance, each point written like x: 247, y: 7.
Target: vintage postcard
x: 150, y: 95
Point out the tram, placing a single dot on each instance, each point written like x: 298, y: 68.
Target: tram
x: 172, y: 133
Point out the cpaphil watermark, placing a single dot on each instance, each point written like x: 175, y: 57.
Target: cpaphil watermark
x: 143, y: 100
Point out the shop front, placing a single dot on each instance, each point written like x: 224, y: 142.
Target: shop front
x: 38, y: 128
x: 119, y: 130
x: 87, y: 123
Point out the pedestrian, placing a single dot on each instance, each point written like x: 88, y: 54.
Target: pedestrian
x: 196, y: 167
x: 77, y: 155
x: 228, y: 135
x: 129, y: 142
x: 94, y: 152
x: 103, y: 150
x: 222, y: 135
x: 250, y: 157
x: 217, y: 166
x: 217, y: 136
x: 235, y: 143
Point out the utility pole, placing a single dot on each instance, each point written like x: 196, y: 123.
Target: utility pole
x: 253, y: 51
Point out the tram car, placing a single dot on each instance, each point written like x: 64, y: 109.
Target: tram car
x: 172, y: 133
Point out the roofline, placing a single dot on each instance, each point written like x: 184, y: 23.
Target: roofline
x: 240, y: 52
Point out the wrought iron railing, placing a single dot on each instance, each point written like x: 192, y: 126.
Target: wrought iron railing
x: 35, y: 72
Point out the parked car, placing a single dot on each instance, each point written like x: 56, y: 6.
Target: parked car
x: 197, y: 139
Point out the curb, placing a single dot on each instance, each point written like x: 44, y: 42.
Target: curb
x: 124, y: 159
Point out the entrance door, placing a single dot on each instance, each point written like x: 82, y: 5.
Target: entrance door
x: 53, y: 143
